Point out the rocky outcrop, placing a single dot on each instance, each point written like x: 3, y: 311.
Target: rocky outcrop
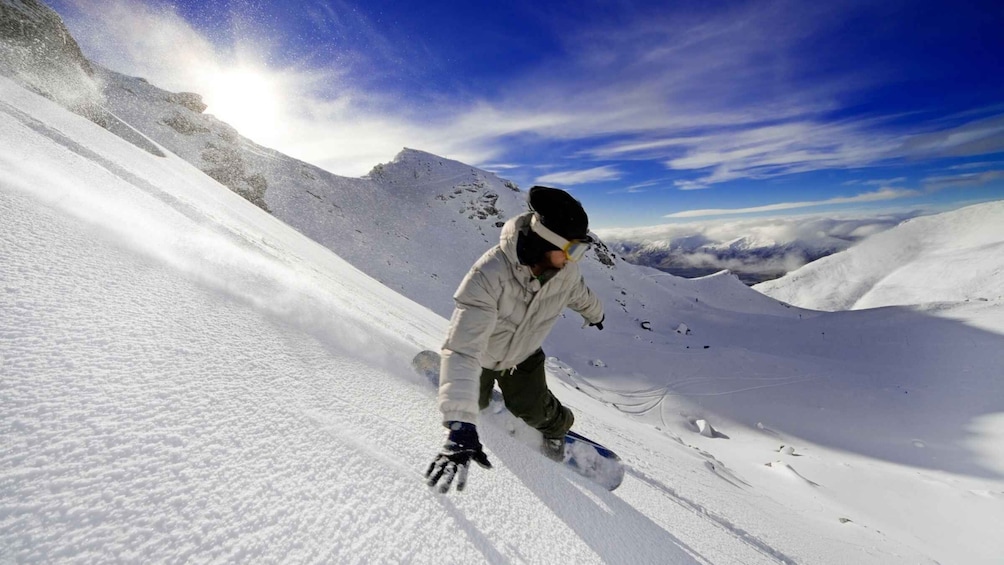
x: 178, y: 122
x: 477, y: 200
x: 184, y: 124
x: 38, y: 51
x: 34, y: 26
x: 189, y: 100
x: 225, y: 164
x: 603, y: 253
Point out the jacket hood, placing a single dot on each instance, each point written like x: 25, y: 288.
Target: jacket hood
x: 508, y: 242
x: 510, y: 235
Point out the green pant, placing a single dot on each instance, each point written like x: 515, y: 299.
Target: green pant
x: 527, y: 397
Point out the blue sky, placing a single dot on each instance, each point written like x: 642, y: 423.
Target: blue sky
x: 649, y: 112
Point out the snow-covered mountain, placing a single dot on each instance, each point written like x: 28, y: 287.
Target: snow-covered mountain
x: 695, y: 256
x: 185, y: 377
x: 383, y: 223
x: 953, y: 260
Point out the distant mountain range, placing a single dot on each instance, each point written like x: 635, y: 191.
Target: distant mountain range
x: 753, y: 250
x: 690, y: 258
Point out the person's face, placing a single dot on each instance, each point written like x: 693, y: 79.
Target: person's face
x: 555, y: 259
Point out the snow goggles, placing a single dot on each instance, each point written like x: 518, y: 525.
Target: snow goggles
x: 574, y: 249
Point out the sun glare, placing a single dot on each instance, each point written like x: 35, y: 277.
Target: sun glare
x: 247, y: 99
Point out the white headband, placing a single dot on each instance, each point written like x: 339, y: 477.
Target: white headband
x: 540, y: 229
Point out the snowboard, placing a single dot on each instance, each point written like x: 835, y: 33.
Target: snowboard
x: 583, y: 455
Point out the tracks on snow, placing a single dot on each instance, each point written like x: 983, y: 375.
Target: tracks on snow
x: 733, y: 530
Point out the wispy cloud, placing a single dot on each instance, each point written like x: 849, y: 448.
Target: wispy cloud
x: 803, y: 146
x: 639, y: 187
x: 569, y: 178
x: 875, y: 182
x: 714, y: 95
x: 663, y: 75
x: 981, y: 136
x: 962, y: 180
x: 735, y: 94
x: 977, y: 165
x: 499, y: 166
x: 314, y: 113
x: 878, y: 196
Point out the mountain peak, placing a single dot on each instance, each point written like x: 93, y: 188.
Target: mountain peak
x: 415, y: 168
x: 408, y: 158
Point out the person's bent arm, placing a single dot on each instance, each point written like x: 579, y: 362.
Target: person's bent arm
x: 471, y: 326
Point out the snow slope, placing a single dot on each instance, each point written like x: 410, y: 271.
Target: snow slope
x: 944, y: 261
x: 184, y: 377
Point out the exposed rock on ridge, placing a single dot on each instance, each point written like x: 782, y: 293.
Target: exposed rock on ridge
x: 38, y: 51
x: 189, y: 100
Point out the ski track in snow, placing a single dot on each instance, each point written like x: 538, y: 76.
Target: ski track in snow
x: 703, y: 513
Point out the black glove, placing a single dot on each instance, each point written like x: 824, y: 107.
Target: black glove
x: 462, y: 445
x: 599, y: 325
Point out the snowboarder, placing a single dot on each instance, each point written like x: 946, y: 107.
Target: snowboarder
x: 505, y: 307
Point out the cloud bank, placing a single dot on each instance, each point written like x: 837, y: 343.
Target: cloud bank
x: 756, y: 250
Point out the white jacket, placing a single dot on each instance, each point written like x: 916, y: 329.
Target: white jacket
x: 502, y: 316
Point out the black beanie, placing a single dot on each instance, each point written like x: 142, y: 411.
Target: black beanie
x: 559, y: 212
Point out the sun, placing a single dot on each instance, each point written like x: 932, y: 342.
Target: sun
x: 248, y: 99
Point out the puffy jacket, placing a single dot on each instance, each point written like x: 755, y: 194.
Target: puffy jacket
x: 502, y: 316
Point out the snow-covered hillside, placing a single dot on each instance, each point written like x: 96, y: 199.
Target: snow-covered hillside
x: 184, y: 377
x: 950, y: 261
